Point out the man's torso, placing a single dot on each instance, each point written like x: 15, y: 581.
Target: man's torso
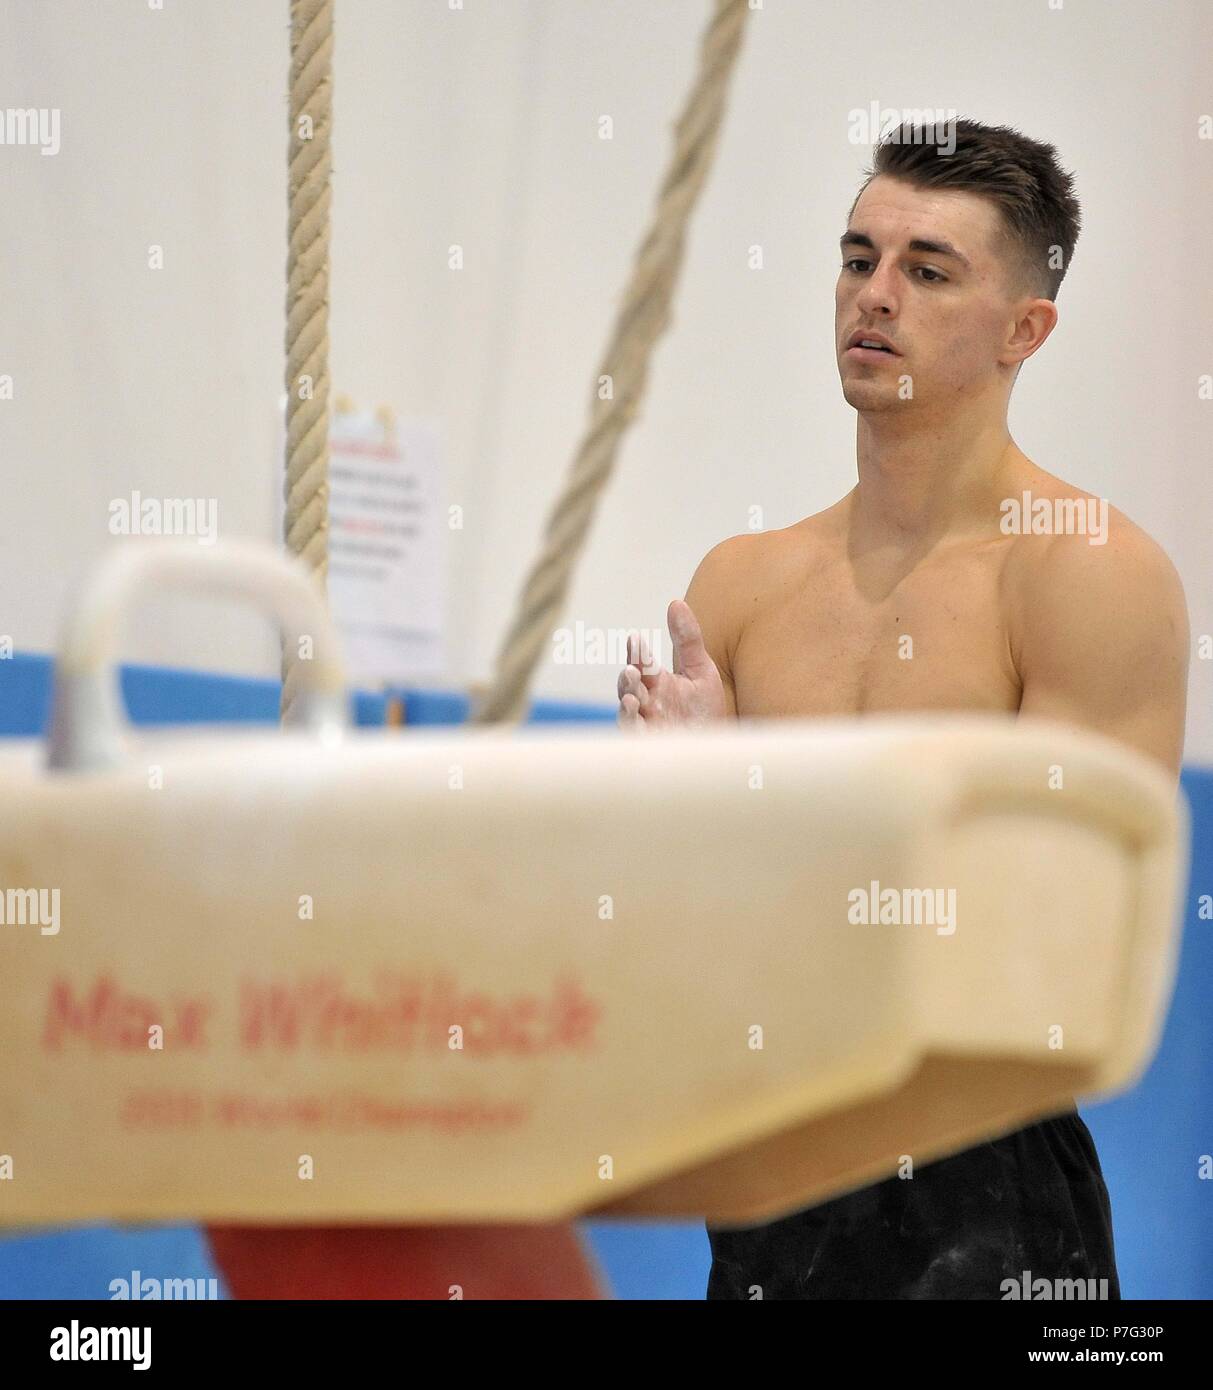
x: 827, y: 633
x: 820, y: 627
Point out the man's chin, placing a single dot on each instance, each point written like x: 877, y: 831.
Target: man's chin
x: 871, y: 395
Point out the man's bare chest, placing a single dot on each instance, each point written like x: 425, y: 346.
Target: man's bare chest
x: 836, y: 642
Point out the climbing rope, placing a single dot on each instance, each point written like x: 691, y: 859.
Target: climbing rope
x: 619, y: 382
x: 624, y: 369
x: 307, y: 301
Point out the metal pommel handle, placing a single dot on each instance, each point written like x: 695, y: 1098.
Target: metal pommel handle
x: 88, y: 723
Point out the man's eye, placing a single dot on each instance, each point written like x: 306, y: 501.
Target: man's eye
x: 936, y: 278
x: 851, y: 264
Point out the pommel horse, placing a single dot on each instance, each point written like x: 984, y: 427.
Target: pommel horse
x: 388, y: 1010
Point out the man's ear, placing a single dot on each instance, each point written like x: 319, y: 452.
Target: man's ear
x: 1034, y: 320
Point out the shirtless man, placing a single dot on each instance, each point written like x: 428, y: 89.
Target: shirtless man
x: 952, y: 263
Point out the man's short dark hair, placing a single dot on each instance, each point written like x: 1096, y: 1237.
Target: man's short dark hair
x: 1022, y: 177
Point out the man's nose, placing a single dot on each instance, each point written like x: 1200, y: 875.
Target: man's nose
x: 877, y: 295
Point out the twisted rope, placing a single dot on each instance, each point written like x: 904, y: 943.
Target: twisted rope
x: 307, y: 301
x: 644, y: 316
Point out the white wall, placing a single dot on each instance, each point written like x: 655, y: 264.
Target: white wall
x: 480, y: 127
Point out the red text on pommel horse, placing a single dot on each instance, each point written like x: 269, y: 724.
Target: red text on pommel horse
x: 399, y: 1013
x: 109, y: 1017
x: 409, y: 1013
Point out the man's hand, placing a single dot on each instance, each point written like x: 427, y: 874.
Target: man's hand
x: 690, y: 695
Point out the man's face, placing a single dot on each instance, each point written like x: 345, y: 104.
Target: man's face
x: 925, y: 269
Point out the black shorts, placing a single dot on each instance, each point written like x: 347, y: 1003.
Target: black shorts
x: 1030, y: 1201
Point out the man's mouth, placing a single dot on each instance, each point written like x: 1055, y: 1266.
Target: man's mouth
x: 874, y: 342
x: 870, y: 350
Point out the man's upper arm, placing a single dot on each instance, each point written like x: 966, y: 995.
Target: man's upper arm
x: 713, y: 598
x: 1105, y: 640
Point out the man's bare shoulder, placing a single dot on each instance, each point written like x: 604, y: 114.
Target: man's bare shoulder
x: 721, y: 589
x: 746, y: 564
x: 1071, y: 547
x: 737, y: 575
x: 1099, y: 625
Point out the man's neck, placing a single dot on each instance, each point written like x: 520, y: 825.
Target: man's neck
x: 924, y: 481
